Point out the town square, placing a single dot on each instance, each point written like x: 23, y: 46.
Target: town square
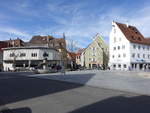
x: 72, y: 56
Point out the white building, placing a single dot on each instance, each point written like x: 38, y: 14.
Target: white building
x: 26, y: 57
x: 128, y: 48
x: 1, y: 60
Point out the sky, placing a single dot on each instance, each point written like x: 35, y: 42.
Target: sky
x: 80, y: 20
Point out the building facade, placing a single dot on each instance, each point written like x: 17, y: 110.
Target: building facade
x: 2, y: 45
x: 50, y: 41
x: 129, y: 50
x: 96, y: 54
x: 78, y: 56
x: 71, y: 60
x: 27, y: 57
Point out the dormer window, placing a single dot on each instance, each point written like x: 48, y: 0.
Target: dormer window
x: 139, y: 38
x: 133, y: 37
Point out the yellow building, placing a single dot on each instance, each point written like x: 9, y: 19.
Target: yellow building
x: 96, y: 54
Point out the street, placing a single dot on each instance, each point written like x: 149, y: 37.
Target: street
x: 20, y: 93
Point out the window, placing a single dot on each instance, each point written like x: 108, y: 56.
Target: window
x: 123, y: 47
x: 45, y: 54
x: 148, y: 56
x: 34, y: 54
x: 125, y: 66
x: 133, y: 37
x: 139, y: 47
x: 143, y: 47
x: 114, y: 39
x: 114, y: 30
x: 94, y: 48
x: 114, y: 48
x: 143, y: 55
x: 60, y: 44
x: 94, y: 54
x: 114, y: 65
x: 22, y: 54
x: 139, y: 38
x: 94, y: 59
x: 138, y: 55
x: 118, y: 47
x: 134, y: 46
x: 119, y: 56
x: 12, y: 54
x: 124, y: 55
x: 133, y: 55
x: 120, y: 39
x: 113, y: 56
x: 119, y: 65
x: 147, y: 47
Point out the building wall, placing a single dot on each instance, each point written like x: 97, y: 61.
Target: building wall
x: 2, y: 45
x: 126, y: 51
x: 53, y: 55
x: 83, y: 59
x: 1, y: 57
x: 78, y: 59
x: 119, y: 48
x: 144, y: 53
x: 1, y: 60
x: 93, y: 54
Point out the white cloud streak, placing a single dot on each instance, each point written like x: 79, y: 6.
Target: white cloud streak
x: 79, y: 24
x: 13, y: 31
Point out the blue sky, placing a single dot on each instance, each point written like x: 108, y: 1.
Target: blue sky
x: 79, y: 19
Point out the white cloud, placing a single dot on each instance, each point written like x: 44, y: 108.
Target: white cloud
x: 78, y: 24
x: 14, y: 32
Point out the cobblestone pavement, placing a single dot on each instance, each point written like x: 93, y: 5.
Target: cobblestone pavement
x: 20, y: 93
x: 130, y: 81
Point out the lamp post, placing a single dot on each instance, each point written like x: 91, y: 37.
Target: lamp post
x: 103, y: 58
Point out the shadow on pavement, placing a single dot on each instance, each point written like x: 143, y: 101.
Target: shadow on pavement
x: 119, y: 104
x: 22, y: 88
x: 73, y: 78
x: 17, y: 110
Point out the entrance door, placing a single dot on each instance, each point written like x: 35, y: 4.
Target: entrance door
x: 141, y: 66
x: 90, y: 66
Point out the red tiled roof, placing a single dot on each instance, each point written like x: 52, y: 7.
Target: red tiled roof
x: 45, y: 39
x: 72, y: 55
x: 40, y: 39
x: 3, y: 45
x: 132, y: 34
x: 78, y: 54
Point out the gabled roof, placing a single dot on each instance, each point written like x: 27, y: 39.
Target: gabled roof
x: 79, y: 51
x: 3, y: 44
x: 72, y: 55
x: 94, y: 38
x: 46, y: 39
x: 40, y: 39
x: 132, y: 34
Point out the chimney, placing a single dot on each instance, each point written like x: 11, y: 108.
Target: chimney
x: 113, y: 23
x: 127, y: 24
